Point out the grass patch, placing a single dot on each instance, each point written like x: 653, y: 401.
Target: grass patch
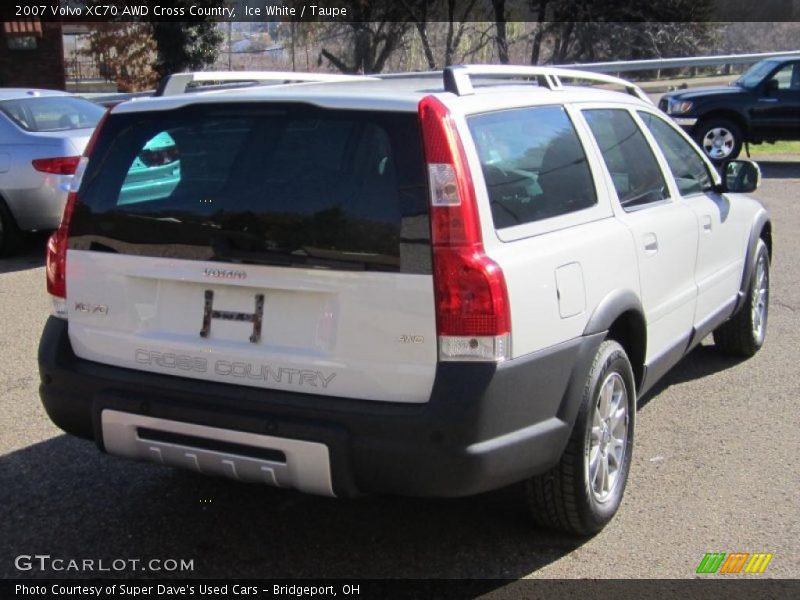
x: 776, y: 148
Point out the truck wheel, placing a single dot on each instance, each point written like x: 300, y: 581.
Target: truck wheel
x: 582, y: 493
x: 9, y: 234
x: 744, y: 333
x: 720, y: 139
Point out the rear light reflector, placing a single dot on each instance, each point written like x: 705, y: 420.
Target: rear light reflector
x: 62, y: 165
x: 478, y: 348
x: 444, y: 188
x: 472, y: 310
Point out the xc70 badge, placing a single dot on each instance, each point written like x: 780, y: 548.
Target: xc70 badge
x: 91, y: 309
x: 224, y: 274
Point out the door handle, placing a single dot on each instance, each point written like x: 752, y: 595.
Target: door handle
x: 650, y: 243
x: 767, y: 99
x: 707, y: 223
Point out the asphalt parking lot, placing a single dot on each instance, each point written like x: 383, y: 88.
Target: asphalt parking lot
x: 715, y: 470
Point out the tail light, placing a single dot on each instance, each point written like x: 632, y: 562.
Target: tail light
x: 56, y: 267
x: 62, y: 165
x: 472, y: 310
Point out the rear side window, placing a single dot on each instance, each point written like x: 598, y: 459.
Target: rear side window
x: 634, y: 170
x: 533, y: 164
x: 689, y: 170
x: 278, y: 184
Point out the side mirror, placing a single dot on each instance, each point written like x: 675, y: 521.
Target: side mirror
x: 741, y: 176
x: 770, y: 86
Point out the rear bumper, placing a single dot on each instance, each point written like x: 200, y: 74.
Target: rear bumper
x: 484, y: 427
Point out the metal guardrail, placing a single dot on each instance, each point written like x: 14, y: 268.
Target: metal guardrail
x: 623, y: 66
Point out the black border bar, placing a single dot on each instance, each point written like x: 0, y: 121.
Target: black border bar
x: 80, y: 11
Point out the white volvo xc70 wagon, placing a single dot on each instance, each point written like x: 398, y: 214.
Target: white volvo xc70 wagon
x: 428, y: 284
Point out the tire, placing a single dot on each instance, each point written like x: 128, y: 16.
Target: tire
x: 744, y: 333
x: 9, y: 233
x: 569, y: 498
x: 720, y: 139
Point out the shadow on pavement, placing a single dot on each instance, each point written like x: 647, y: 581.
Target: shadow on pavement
x: 30, y: 254
x: 700, y: 362
x: 63, y: 498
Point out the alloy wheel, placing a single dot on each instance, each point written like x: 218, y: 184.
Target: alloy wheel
x: 759, y: 301
x: 609, y: 437
x: 718, y: 143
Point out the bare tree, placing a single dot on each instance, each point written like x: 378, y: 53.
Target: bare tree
x: 501, y: 35
x: 369, y: 40
x: 428, y: 15
x: 587, y: 30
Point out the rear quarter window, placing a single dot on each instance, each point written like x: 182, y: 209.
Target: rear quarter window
x: 533, y: 164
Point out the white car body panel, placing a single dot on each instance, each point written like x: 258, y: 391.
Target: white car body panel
x: 537, y: 299
x: 724, y: 223
x: 324, y: 332
x: 665, y: 241
x: 724, y: 230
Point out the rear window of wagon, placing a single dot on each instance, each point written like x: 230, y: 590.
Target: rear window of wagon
x: 287, y: 184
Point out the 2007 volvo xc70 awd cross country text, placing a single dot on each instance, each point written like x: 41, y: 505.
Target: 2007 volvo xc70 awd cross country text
x: 429, y: 285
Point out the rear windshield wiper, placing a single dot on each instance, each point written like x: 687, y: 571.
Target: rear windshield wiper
x: 225, y: 251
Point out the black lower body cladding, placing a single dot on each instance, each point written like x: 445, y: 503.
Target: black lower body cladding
x: 484, y: 427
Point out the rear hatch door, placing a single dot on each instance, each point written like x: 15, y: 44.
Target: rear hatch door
x: 280, y: 246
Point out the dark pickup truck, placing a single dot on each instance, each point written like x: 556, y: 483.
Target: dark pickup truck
x: 763, y: 105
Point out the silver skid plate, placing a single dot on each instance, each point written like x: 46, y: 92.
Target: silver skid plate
x: 304, y: 466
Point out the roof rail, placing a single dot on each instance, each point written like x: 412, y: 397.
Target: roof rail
x: 177, y: 83
x: 457, y: 77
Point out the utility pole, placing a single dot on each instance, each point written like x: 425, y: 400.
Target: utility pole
x: 292, y: 31
x: 230, y: 49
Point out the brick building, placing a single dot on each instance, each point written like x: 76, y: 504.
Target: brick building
x: 31, y: 54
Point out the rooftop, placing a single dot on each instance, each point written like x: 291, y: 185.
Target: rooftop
x: 17, y: 93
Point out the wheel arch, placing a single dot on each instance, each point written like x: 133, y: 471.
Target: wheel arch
x: 4, y: 206
x: 724, y: 113
x: 5, y: 211
x: 621, y: 315
x: 760, y: 230
x: 766, y: 234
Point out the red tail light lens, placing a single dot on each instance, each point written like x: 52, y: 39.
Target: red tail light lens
x: 56, y: 267
x: 454, y: 217
x: 471, y: 296
x: 57, y: 252
x: 63, y: 165
x: 470, y: 290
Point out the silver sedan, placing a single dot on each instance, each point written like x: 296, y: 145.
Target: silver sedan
x: 42, y: 135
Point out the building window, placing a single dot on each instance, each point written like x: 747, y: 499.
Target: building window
x: 22, y: 42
